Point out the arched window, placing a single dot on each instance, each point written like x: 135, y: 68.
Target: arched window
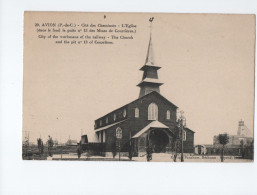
x: 152, y: 112
x: 124, y: 113
x: 136, y: 113
x: 168, y: 115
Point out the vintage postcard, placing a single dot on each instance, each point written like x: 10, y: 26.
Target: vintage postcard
x: 145, y: 87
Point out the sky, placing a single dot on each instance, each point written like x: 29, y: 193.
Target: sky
x: 207, y: 69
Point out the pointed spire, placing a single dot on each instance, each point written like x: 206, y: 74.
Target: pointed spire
x: 150, y: 81
x: 149, y: 56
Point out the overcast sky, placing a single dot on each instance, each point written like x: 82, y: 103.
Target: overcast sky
x: 207, y: 69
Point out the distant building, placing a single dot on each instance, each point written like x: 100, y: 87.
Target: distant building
x: 243, y: 136
x: 239, y: 145
x: 200, y: 149
x: 71, y: 142
x: 56, y: 142
x: 84, y: 139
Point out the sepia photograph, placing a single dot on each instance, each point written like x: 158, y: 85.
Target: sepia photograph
x: 141, y: 87
x: 127, y: 97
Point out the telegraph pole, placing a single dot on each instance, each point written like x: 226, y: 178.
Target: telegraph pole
x: 182, y: 140
x: 119, y: 149
x: 182, y: 135
x: 119, y: 137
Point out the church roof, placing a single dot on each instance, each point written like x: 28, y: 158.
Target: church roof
x: 150, y: 80
x: 143, y: 68
x: 153, y: 125
x: 155, y: 92
x: 151, y: 93
x: 189, y: 129
x: 108, y: 126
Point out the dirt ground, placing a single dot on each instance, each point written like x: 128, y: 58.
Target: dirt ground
x: 156, y: 157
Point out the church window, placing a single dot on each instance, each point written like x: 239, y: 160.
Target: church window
x: 114, y: 117
x: 104, y: 136
x: 136, y: 113
x: 124, y: 113
x: 168, y: 115
x: 106, y: 120
x: 152, y: 112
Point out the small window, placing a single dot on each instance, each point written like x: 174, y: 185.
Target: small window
x: 114, y: 117
x: 184, y: 135
x: 124, y: 113
x: 100, y: 123
x: 168, y: 115
x: 136, y: 113
x: 104, y: 136
x: 106, y: 120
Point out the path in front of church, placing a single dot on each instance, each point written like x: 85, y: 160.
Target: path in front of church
x: 156, y: 157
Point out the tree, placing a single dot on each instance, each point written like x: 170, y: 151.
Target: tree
x: 26, y: 145
x: 223, y: 139
x: 114, y: 148
x: 247, y: 149
x: 176, y: 147
x: 149, y: 152
x: 79, y: 150
x: 177, y: 142
x: 149, y: 149
x: 130, y: 150
x: 179, y: 137
x: 50, y: 144
x: 40, y: 146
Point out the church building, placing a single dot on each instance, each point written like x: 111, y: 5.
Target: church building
x: 148, y: 120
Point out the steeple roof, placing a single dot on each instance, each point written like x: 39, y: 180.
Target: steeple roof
x: 149, y: 61
x: 150, y: 81
x: 149, y: 56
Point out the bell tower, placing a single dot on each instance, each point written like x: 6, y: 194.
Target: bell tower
x: 243, y: 131
x: 150, y: 81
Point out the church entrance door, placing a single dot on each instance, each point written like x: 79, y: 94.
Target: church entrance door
x: 158, y: 140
